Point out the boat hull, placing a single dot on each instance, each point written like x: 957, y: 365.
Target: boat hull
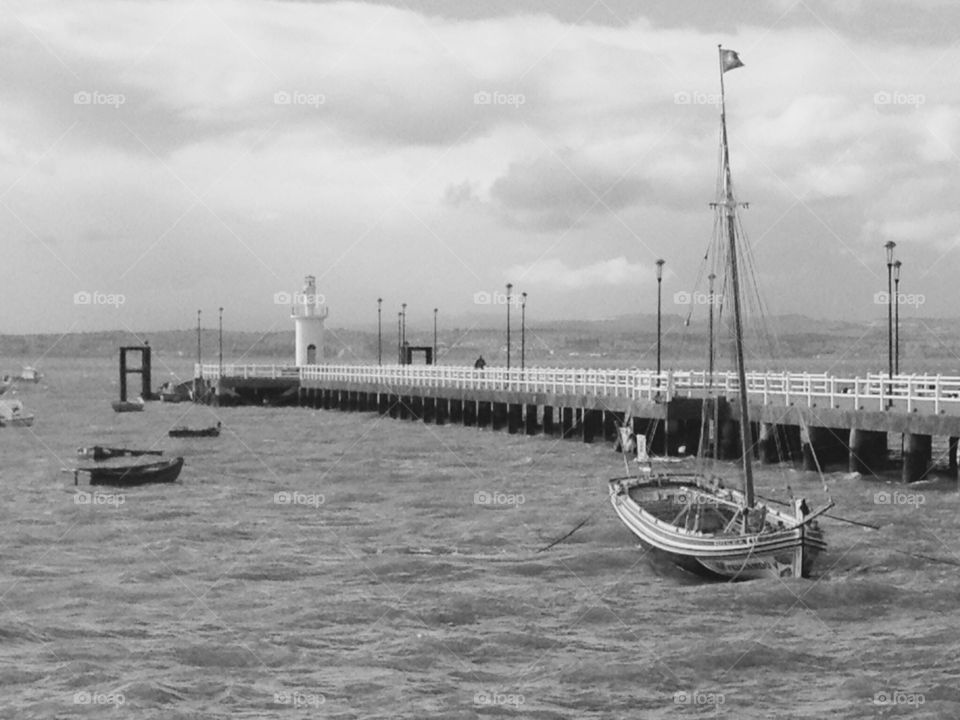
x: 784, y: 546
x: 132, y: 475
x: 126, y: 406
x: 189, y: 432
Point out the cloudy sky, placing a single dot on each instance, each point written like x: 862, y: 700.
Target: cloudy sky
x: 168, y: 156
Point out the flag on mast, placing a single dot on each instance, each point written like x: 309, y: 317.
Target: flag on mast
x: 729, y: 60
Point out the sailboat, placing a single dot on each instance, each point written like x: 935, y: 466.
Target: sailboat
x: 693, y: 521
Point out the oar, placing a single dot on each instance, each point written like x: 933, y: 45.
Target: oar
x: 834, y: 517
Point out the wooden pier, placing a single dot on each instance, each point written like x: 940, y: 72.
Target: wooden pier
x: 815, y: 419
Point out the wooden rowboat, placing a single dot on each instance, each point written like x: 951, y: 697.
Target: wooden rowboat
x: 131, y: 475
x: 127, y: 405
x: 180, y: 432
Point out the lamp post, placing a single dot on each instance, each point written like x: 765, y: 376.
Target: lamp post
x: 890, y: 245
x: 509, y: 288
x: 711, y: 277
x: 403, y: 340
x: 198, y: 381
x: 435, y: 336
x: 220, y: 342
x: 523, y: 332
x: 896, y: 317
x: 660, y: 264
x: 399, y: 338
x: 379, y: 331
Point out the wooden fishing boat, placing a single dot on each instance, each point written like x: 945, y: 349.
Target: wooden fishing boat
x: 692, y: 520
x: 181, y: 432
x: 131, y: 475
x: 29, y: 374
x: 128, y: 405
x: 175, y: 393
x: 13, y: 415
x: 98, y: 452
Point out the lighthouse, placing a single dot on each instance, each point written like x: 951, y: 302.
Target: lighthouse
x: 308, y: 313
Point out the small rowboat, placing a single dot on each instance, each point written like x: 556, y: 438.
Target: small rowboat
x: 127, y: 405
x: 98, y: 453
x: 12, y: 414
x: 130, y: 475
x: 179, y: 432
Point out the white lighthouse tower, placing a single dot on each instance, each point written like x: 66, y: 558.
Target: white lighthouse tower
x: 308, y: 313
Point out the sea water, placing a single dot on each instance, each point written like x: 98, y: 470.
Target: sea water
x: 315, y: 563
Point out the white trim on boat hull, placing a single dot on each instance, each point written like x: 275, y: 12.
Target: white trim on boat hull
x: 787, y: 552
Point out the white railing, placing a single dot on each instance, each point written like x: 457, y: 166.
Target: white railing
x: 911, y: 393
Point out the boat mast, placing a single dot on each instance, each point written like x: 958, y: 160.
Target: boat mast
x: 729, y: 205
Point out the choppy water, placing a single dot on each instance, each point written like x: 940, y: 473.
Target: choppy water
x: 383, y: 589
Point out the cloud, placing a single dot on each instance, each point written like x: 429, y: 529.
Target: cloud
x: 553, y: 272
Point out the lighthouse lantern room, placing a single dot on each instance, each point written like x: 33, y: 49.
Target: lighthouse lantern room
x: 308, y: 313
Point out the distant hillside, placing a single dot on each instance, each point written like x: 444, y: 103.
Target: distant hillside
x: 625, y: 341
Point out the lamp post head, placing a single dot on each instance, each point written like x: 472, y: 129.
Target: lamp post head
x: 890, y: 245
x: 896, y: 270
x: 379, y: 301
x: 509, y: 288
x: 660, y: 264
x: 524, y: 296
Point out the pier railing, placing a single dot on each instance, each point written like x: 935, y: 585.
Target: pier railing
x: 911, y: 393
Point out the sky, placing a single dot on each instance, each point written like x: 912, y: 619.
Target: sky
x: 157, y: 158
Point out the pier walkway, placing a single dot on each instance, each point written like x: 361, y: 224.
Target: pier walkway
x: 815, y: 417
